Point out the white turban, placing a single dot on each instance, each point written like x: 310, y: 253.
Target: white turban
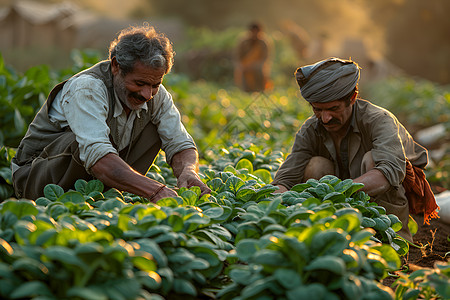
x: 327, y: 80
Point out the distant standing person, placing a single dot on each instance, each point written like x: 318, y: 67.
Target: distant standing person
x: 109, y: 122
x: 252, y: 61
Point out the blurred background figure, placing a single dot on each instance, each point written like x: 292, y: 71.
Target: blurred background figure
x: 298, y: 37
x: 252, y: 61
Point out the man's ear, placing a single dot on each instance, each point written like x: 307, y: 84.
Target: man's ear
x: 115, y: 68
x: 353, y: 98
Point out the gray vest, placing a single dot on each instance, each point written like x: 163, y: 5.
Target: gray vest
x: 42, y: 131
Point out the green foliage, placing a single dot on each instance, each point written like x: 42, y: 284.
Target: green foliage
x: 92, y: 240
x: 424, y: 284
x: 6, y: 190
x: 20, y: 98
x: 405, y: 97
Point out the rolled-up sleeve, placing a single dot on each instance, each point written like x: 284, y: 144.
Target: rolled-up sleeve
x: 85, y: 105
x: 173, y: 134
x: 388, y: 152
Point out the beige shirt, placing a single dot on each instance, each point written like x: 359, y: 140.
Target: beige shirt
x: 83, y: 105
x: 372, y: 128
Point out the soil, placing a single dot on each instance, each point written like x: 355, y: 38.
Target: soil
x: 434, y: 243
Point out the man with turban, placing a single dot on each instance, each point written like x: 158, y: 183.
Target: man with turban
x: 352, y: 138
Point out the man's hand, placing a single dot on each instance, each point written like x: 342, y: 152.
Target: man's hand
x: 185, y: 168
x: 189, y: 178
x: 281, y: 189
x: 164, y: 193
x: 114, y: 172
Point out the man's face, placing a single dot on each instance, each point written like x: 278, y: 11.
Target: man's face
x: 335, y: 115
x: 138, y: 86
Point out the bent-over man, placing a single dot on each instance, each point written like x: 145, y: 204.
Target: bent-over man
x: 109, y: 122
x: 352, y: 138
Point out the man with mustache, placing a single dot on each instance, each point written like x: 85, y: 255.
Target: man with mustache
x: 109, y: 122
x: 351, y: 138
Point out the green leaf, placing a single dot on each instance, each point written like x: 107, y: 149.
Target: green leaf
x: 30, y: 266
x: 396, y: 224
x: 233, y: 184
x: 150, y: 280
x: 112, y: 204
x: 42, y: 201
x: 244, y: 164
x: 182, y: 286
x: 80, y: 186
x: 320, y: 190
x: 300, y: 187
x: 6, y: 174
x: 353, y: 188
x: 169, y: 202
x: 256, y: 287
x: 390, y: 255
x: 215, y: 184
x: 20, y: 208
x: 241, y: 274
x: 335, y: 197
x: 330, y: 179
x: 310, y: 291
x: 112, y: 193
x: 245, y: 194
x: 214, y: 212
x: 63, y: 254
x: 246, y: 248
x: 73, y: 197
x: 330, y: 263
x: 86, y: 293
x: 368, y: 222
x: 94, y: 186
x: 288, y: 278
x: 361, y: 237
x: 175, y: 221
x: 189, y: 197
x: 412, y: 225
x: 380, y: 224
x: 53, y: 192
x: 347, y: 222
x: 264, y: 175
x: 269, y: 257
x: 145, y: 263
x: 31, y: 289
x: 331, y: 241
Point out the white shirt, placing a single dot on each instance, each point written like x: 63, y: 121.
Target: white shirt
x: 82, y: 104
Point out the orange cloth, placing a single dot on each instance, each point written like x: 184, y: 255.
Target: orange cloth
x: 418, y: 192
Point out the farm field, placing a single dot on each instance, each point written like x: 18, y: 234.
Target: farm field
x: 324, y: 239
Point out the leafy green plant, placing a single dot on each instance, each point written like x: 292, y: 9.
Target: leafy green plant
x: 424, y: 284
x: 6, y: 189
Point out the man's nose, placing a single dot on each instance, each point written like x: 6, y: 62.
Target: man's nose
x: 326, y: 116
x: 148, y: 92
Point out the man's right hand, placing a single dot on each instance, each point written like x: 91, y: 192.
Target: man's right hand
x: 114, y: 172
x: 281, y: 189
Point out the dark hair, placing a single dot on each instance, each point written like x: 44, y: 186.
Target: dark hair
x: 142, y: 44
x: 255, y: 26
